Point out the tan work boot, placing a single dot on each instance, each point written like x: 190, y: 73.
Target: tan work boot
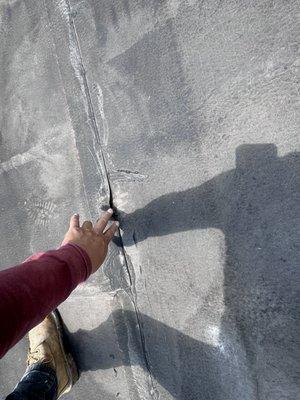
x: 46, y: 347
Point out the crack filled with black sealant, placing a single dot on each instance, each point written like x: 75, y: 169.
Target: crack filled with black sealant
x: 91, y: 115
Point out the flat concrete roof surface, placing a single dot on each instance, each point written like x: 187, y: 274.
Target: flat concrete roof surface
x: 184, y: 115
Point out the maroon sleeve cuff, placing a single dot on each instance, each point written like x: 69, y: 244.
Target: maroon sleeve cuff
x: 83, y: 255
x: 76, y: 258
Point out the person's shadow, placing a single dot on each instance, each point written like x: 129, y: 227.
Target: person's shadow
x: 256, y: 205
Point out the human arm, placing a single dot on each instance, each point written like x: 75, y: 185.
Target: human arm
x: 31, y: 290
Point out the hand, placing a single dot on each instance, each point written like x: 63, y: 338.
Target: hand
x: 91, y: 238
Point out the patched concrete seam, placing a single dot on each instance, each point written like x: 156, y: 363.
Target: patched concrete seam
x: 133, y: 297
x: 65, y: 95
x: 81, y: 72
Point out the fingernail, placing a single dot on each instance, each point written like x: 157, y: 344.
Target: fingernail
x: 76, y: 215
x: 110, y: 210
x: 117, y: 223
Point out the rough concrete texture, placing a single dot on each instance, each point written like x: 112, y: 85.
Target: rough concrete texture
x: 184, y: 115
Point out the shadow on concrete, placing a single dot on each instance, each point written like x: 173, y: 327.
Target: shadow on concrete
x: 91, y: 348
x: 255, y: 205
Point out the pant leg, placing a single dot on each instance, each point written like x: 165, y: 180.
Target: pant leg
x: 38, y: 383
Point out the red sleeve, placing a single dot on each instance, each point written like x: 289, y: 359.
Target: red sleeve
x: 31, y: 290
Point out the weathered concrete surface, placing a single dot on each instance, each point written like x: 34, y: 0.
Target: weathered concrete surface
x: 49, y: 169
x: 188, y: 111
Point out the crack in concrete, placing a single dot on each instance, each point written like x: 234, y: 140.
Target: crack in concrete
x: 97, y: 137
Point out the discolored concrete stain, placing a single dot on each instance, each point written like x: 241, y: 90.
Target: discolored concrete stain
x: 183, y: 116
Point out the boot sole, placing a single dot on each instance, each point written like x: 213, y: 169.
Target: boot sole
x: 69, y: 362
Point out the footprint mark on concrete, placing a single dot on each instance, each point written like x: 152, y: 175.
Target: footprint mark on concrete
x: 39, y: 211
